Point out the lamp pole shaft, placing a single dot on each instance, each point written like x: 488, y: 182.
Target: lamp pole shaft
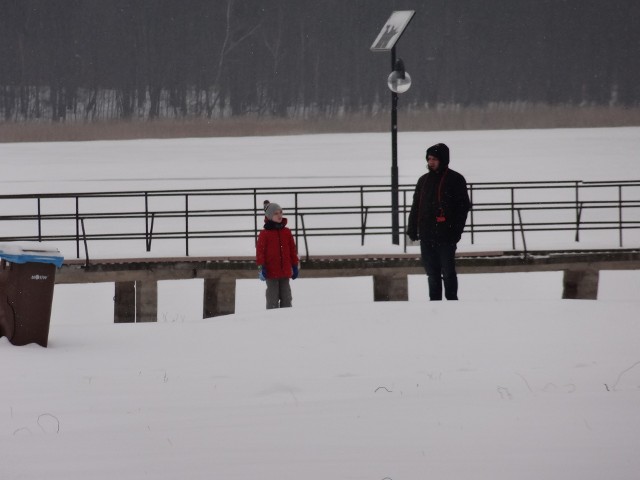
x: 395, y: 214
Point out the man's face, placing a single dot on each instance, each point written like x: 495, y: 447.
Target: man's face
x: 433, y: 163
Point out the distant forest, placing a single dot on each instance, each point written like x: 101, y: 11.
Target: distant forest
x: 85, y: 60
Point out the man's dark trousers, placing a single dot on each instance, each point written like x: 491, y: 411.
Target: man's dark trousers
x: 440, y: 264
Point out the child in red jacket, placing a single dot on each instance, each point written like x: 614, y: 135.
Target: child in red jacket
x: 276, y: 257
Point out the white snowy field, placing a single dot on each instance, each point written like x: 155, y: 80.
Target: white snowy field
x: 336, y: 159
x: 509, y: 383
x: 477, y: 389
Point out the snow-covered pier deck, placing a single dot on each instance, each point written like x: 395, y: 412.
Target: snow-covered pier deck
x: 136, y: 292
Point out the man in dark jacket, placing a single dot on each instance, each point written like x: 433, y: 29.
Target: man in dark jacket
x: 438, y: 215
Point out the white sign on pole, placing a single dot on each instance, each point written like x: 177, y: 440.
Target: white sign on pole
x: 392, y: 30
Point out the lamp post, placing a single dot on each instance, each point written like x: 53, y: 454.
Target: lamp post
x: 398, y: 81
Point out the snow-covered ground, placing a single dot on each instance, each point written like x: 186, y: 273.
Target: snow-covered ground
x: 509, y: 383
x: 336, y: 159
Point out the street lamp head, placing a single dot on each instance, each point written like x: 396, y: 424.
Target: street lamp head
x: 399, y: 80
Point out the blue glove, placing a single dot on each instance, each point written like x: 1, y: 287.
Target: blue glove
x: 295, y: 272
x: 262, y: 273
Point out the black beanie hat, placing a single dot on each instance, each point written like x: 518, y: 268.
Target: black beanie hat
x: 441, y: 151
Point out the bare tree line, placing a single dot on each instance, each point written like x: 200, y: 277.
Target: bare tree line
x: 146, y: 59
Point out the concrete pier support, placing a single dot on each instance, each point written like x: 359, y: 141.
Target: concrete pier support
x: 390, y: 288
x: 219, y: 297
x: 146, y: 301
x: 124, y: 302
x: 580, y: 284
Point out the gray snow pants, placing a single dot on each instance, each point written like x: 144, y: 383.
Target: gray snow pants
x: 278, y: 293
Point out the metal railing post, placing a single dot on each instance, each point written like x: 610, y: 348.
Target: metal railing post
x: 186, y: 223
x: 84, y: 239
x: 404, y: 220
x: 150, y: 238
x: 363, y: 226
x: 471, y: 224
x: 255, y: 217
x: 39, y: 222
x: 295, y: 212
x: 304, y: 236
x: 513, y: 220
x: 77, y: 227
x: 146, y: 222
x: 578, y: 212
x: 524, y: 241
x: 578, y: 222
x: 362, y: 216
x: 620, y: 213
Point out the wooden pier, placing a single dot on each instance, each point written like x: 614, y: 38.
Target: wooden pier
x: 136, y: 291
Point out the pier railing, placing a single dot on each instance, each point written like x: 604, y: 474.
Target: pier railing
x: 513, y: 212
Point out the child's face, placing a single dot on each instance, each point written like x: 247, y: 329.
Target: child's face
x: 277, y: 216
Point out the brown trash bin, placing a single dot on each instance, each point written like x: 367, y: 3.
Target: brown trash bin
x: 26, y: 296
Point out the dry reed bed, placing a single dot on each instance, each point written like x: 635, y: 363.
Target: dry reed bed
x: 447, y: 118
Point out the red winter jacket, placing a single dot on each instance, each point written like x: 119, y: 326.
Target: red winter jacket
x: 276, y: 249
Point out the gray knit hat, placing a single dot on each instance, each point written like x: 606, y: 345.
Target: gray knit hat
x: 270, y: 209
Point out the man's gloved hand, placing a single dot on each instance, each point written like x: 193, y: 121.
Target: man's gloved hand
x: 262, y: 273
x: 295, y: 272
